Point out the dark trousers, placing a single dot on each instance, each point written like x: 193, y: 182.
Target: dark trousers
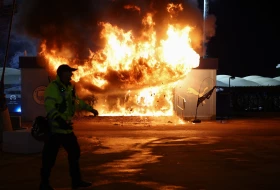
x: 51, y: 147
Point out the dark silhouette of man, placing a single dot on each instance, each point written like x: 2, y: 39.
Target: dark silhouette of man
x: 61, y: 103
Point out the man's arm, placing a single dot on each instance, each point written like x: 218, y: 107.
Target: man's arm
x: 82, y: 105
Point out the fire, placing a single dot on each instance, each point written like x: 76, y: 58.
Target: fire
x: 132, y: 74
x: 133, y: 7
x: 172, y: 9
x: 153, y: 101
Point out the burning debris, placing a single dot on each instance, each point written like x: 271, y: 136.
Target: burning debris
x: 129, y: 54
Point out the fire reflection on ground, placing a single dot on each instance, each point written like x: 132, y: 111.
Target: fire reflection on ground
x: 140, y: 154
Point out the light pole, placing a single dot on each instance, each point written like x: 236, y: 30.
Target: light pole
x: 232, y: 78
x: 229, y: 89
x: 5, y: 120
x: 205, y: 15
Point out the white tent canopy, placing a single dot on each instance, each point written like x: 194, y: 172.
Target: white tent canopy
x: 220, y: 77
x: 253, y: 80
x: 221, y: 84
x: 12, y: 76
x: 252, y: 77
x: 277, y: 78
x: 237, y: 81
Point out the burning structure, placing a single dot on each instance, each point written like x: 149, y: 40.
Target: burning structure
x: 131, y: 55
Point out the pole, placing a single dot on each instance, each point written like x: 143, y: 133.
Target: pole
x: 3, y: 104
x: 205, y: 14
x: 5, y: 120
x: 195, y: 118
x: 229, y: 89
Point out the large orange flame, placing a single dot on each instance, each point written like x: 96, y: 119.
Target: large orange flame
x: 134, y: 75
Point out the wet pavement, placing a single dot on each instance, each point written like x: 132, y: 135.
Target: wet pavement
x: 162, y: 154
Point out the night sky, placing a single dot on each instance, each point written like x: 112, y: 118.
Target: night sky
x: 247, y: 37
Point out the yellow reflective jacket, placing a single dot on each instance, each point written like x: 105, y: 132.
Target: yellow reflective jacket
x: 61, y: 100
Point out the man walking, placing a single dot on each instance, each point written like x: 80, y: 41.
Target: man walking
x: 61, y: 103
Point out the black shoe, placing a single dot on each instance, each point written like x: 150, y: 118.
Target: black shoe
x: 81, y: 184
x: 46, y: 187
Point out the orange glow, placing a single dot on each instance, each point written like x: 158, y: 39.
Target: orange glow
x: 172, y: 9
x: 141, y: 69
x: 133, y: 7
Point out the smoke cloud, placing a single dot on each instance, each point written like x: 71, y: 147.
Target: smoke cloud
x: 74, y: 24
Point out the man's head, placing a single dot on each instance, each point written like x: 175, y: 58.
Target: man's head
x: 65, y: 73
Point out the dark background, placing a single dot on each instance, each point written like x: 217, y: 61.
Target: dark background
x: 247, y: 37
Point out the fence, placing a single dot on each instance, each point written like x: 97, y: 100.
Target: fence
x: 248, y: 99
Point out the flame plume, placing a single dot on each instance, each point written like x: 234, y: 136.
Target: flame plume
x: 141, y: 52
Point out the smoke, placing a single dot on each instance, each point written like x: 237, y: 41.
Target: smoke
x: 61, y: 23
x: 194, y: 3
x: 74, y: 25
x: 20, y: 46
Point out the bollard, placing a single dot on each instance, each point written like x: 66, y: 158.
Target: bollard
x: 5, y: 122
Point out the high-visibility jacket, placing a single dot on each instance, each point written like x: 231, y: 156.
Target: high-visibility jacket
x: 61, y: 100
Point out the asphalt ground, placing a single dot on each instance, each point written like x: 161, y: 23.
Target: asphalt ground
x: 141, y: 153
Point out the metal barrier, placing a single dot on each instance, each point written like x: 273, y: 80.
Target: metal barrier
x: 182, y: 109
x: 254, y: 99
